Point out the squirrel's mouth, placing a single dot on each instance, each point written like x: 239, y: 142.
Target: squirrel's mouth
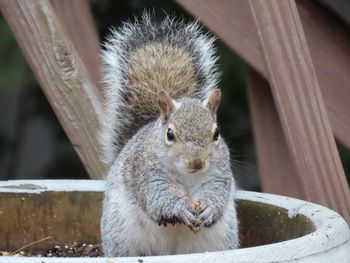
x: 197, y: 165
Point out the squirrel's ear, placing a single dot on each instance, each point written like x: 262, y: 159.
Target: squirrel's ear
x: 213, y: 101
x: 166, y: 105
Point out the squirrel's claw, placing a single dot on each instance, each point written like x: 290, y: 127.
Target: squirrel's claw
x: 186, y: 213
x: 205, y: 213
x: 189, y: 217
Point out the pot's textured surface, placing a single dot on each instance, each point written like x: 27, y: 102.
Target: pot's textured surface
x: 65, y: 210
x: 272, y: 228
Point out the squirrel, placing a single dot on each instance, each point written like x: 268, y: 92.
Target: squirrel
x: 170, y: 188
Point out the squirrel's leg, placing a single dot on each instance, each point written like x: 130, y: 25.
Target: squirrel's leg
x: 166, y: 203
x: 211, y: 198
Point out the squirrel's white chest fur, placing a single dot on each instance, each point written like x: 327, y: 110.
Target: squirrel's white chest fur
x: 143, y: 236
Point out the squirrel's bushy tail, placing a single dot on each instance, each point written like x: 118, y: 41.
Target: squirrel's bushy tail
x: 142, y: 58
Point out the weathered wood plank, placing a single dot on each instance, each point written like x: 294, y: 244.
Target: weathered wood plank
x: 300, y: 104
x: 329, y: 44
x: 277, y: 171
x: 61, y: 75
x: 82, y: 32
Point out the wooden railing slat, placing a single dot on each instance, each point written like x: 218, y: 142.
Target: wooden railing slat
x: 300, y: 104
x: 61, y: 75
x: 76, y: 18
x: 277, y: 170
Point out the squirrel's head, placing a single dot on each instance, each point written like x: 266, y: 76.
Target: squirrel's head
x: 190, y: 130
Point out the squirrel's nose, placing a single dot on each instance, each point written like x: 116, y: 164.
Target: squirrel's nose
x: 196, y: 164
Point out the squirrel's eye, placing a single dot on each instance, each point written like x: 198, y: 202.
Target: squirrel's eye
x: 216, y: 134
x: 170, y: 135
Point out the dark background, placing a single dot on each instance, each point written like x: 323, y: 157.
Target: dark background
x: 32, y: 143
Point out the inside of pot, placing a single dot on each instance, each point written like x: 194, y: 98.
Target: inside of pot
x: 74, y: 217
x: 262, y: 224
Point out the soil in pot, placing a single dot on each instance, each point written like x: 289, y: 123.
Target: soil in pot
x: 74, y: 249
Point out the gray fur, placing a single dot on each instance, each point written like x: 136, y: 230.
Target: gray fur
x: 147, y: 207
x: 154, y: 204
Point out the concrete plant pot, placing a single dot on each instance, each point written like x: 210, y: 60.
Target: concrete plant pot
x: 272, y: 228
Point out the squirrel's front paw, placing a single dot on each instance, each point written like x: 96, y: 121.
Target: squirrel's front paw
x: 205, y: 213
x: 186, y: 213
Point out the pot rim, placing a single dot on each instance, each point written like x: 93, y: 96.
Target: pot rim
x: 331, y: 229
